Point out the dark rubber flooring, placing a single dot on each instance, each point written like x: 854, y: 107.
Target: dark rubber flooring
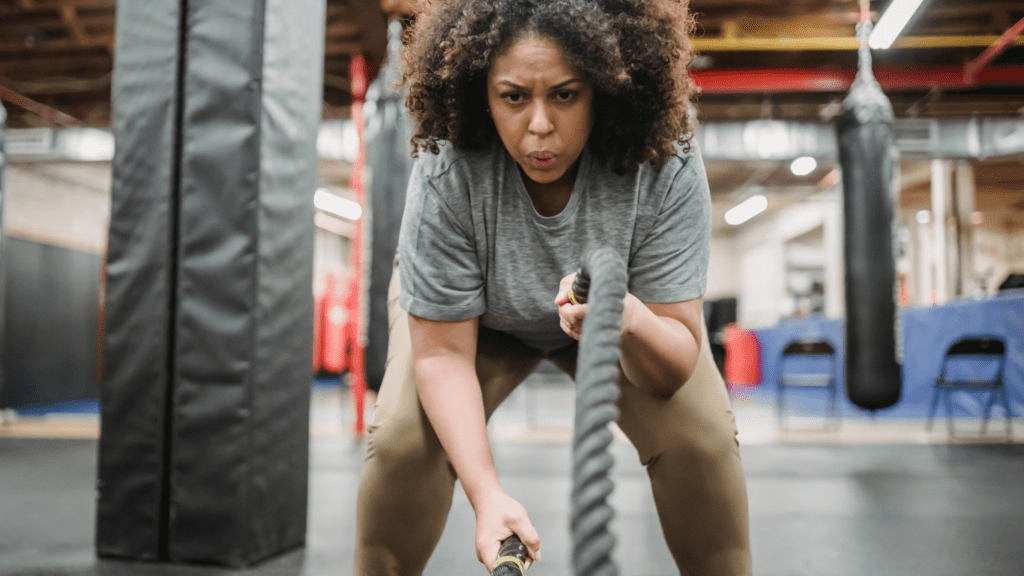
x: 816, y: 510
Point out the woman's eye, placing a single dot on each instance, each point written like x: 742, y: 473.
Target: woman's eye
x: 512, y: 97
x: 566, y: 95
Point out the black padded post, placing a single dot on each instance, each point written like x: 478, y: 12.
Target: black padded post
x: 209, y: 311
x: 389, y: 164
x: 869, y: 161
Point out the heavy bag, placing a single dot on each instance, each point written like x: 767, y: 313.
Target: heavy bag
x: 869, y: 162
x: 389, y: 165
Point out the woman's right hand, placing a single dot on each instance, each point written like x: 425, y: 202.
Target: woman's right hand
x: 497, y: 518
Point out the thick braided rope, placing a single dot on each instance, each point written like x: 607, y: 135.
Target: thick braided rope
x: 597, y: 390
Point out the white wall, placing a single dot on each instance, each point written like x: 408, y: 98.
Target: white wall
x: 1015, y: 252
x: 760, y: 247
x: 68, y: 204
x: 60, y: 203
x: 723, y: 269
x: 997, y: 253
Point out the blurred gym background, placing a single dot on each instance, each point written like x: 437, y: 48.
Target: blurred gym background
x: 773, y: 76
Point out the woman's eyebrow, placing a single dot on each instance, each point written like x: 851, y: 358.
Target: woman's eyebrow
x: 555, y: 87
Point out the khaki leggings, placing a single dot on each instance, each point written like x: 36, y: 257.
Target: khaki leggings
x: 687, y: 443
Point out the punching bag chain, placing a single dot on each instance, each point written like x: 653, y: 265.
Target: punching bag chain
x: 866, y: 97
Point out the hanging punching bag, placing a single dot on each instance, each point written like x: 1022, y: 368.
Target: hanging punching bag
x: 389, y: 163
x: 869, y: 161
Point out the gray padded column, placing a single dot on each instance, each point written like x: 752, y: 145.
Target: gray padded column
x: 204, y: 457
x: 3, y: 163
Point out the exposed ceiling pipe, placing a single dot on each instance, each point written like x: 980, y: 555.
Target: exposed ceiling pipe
x: 775, y: 140
x: 974, y: 138
x: 780, y: 80
x: 972, y: 68
x: 834, y: 43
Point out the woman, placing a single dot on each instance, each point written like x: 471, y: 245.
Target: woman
x: 544, y: 129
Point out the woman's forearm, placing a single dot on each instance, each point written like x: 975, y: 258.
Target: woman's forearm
x: 450, y: 394
x: 659, y: 353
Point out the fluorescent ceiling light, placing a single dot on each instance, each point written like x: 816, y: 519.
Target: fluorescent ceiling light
x: 892, y: 23
x: 337, y: 205
x: 803, y: 166
x: 746, y: 210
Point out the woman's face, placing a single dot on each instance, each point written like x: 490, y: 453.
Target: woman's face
x: 542, y: 107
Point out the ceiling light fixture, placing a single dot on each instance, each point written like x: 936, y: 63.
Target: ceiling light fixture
x: 746, y: 210
x: 324, y: 200
x: 803, y: 166
x: 892, y: 22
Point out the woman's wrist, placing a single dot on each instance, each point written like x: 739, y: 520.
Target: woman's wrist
x: 629, y: 314
x: 482, y: 491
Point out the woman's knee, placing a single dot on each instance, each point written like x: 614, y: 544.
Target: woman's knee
x: 698, y: 448
x: 402, y: 442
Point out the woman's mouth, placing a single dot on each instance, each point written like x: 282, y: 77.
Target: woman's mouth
x: 542, y: 160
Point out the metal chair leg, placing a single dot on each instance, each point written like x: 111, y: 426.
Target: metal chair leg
x: 988, y: 410
x: 779, y: 407
x: 949, y: 413
x: 1009, y: 416
x: 931, y: 410
x: 834, y: 407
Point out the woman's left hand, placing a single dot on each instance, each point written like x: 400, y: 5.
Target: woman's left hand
x: 570, y: 316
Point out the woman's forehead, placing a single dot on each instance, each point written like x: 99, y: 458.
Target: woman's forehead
x: 533, y: 56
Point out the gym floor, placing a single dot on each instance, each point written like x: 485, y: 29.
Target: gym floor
x: 869, y: 498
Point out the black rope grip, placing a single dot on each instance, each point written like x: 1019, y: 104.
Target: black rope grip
x: 580, y: 287
x: 512, y: 549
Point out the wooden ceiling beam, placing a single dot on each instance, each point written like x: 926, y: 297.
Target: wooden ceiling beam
x: 342, y: 48
x: 56, y: 5
x: 343, y: 29
x: 43, y: 68
x: 58, y: 45
x: 69, y: 16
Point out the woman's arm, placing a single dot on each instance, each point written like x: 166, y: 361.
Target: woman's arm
x: 444, y: 366
x: 660, y: 342
x: 444, y: 363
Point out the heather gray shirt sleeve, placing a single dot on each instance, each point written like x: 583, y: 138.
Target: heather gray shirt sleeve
x: 438, y: 265
x: 671, y: 262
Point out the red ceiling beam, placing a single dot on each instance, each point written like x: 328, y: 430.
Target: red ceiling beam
x: 781, y: 80
x: 972, y: 68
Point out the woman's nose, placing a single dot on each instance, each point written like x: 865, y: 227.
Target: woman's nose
x: 540, y: 120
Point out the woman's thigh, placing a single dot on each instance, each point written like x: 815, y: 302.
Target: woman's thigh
x: 502, y: 363
x: 698, y: 417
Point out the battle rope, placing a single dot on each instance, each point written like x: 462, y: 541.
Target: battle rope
x: 597, y: 372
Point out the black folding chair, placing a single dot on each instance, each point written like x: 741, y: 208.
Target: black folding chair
x: 819, y: 355
x: 956, y: 375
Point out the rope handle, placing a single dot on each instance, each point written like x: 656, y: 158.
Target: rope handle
x: 580, y: 287
x: 511, y: 558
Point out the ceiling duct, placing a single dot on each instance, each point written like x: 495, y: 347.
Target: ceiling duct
x: 975, y: 138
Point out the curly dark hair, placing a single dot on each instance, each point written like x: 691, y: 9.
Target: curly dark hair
x: 634, y: 52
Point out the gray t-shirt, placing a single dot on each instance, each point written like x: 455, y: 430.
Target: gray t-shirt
x: 472, y: 243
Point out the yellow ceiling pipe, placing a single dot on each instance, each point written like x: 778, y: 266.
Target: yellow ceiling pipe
x: 732, y: 43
